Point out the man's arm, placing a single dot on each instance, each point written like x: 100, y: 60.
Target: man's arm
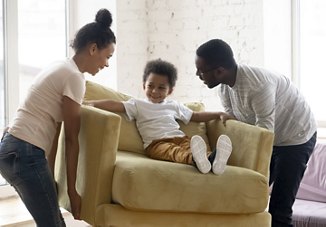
x: 263, y: 105
x: 106, y: 104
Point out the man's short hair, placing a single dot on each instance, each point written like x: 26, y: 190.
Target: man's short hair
x: 216, y: 53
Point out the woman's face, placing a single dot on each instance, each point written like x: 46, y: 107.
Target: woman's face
x: 100, y: 58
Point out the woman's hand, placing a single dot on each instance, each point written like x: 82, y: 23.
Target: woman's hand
x: 75, y: 203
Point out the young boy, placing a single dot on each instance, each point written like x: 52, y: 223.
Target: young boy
x: 156, y: 121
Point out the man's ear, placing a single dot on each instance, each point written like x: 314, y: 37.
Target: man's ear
x: 221, y: 69
x: 92, y: 48
x: 170, y: 91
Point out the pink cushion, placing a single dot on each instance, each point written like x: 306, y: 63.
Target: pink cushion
x: 313, y: 184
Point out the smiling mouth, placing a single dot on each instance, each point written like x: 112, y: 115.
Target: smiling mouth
x: 155, y: 99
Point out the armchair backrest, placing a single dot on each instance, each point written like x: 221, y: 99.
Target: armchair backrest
x: 130, y: 139
x: 251, y: 145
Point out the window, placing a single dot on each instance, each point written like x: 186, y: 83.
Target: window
x: 312, y: 46
x: 309, y: 35
x: 2, y: 78
x: 41, y: 37
x: 39, y: 31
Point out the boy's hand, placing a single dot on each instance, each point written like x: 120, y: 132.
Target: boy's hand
x: 88, y: 103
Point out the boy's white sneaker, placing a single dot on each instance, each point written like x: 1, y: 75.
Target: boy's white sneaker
x: 223, y: 152
x: 199, y: 154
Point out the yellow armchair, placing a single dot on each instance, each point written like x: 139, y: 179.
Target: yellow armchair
x: 121, y: 186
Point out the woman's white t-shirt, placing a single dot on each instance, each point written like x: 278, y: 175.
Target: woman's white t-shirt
x: 38, y: 115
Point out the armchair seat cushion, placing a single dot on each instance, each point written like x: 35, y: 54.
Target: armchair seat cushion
x: 141, y: 183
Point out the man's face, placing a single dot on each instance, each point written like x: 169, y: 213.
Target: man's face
x: 211, y: 76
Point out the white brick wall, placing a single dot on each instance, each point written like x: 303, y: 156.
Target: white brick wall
x: 172, y: 30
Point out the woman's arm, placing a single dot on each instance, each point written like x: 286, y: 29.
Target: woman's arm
x: 106, y: 104
x: 207, y: 116
x: 4, y: 131
x: 53, y: 152
x: 71, y: 118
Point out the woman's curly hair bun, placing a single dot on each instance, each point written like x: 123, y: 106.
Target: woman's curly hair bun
x: 104, y: 17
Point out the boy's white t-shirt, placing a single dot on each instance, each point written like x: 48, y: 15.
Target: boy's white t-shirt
x: 37, y: 117
x: 157, y: 120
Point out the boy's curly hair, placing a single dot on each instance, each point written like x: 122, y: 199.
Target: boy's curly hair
x: 162, y: 68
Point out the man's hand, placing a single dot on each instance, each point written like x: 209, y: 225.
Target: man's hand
x: 224, y: 117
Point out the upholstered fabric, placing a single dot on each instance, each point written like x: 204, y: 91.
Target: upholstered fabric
x: 307, y: 213
x: 130, y: 139
x: 313, y: 184
x: 114, y: 215
x: 153, y: 180
x: 249, y: 144
x: 98, y: 138
x: 309, y: 208
x: 120, y: 186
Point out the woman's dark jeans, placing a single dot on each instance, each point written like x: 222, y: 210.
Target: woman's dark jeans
x: 25, y: 167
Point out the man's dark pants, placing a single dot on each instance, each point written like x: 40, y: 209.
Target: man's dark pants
x: 287, y: 167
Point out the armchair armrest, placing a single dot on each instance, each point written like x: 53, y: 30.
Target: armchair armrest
x: 98, y: 142
x: 252, y: 145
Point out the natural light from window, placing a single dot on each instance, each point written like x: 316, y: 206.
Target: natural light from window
x: 2, y: 79
x: 41, y: 40
x: 41, y: 37
x: 312, y: 51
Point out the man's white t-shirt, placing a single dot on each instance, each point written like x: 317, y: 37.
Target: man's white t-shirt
x: 37, y: 117
x: 157, y: 120
x: 269, y: 100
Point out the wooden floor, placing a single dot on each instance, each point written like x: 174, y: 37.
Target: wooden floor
x: 14, y: 213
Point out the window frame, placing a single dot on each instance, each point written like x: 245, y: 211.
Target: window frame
x: 11, y: 65
x: 296, y: 55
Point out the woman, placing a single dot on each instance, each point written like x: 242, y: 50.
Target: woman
x: 54, y: 97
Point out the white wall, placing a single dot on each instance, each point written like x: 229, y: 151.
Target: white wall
x: 277, y: 36
x: 132, y: 41
x: 83, y: 12
x: 172, y: 30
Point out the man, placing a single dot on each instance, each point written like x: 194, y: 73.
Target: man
x: 269, y: 100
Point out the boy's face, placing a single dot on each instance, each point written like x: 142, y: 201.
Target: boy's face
x: 157, y: 88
